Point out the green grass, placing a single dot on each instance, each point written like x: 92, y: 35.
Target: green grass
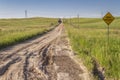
x: 17, y: 30
x: 89, y: 39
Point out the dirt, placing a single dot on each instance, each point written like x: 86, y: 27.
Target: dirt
x: 45, y: 58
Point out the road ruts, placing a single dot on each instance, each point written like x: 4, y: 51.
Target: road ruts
x: 45, y: 58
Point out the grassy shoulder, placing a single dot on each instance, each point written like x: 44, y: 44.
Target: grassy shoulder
x: 89, y: 39
x: 16, y: 30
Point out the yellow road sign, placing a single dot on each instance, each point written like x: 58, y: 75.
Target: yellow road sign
x: 108, y: 18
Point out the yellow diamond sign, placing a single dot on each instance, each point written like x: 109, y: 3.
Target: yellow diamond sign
x: 108, y: 18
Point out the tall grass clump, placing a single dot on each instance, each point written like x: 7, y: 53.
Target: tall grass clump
x: 89, y: 39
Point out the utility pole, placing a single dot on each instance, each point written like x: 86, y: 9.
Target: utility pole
x: 70, y: 19
x: 63, y: 19
x: 102, y: 14
x: 78, y: 19
x: 26, y: 14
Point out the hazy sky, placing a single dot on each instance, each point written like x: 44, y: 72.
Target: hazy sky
x: 58, y: 8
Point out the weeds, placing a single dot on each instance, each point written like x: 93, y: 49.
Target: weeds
x: 89, y: 39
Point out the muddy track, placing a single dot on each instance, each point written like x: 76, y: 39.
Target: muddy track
x: 46, y: 58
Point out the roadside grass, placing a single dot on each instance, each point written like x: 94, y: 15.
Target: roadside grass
x: 16, y: 30
x: 89, y: 39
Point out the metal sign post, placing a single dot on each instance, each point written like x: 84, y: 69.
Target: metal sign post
x: 108, y: 18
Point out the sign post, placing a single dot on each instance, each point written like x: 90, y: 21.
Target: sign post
x: 108, y: 18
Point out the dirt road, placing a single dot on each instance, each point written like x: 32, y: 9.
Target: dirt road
x: 45, y: 58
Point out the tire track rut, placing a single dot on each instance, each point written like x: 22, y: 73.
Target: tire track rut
x: 44, y: 58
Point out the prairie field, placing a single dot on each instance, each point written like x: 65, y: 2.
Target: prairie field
x: 89, y: 39
x: 16, y: 30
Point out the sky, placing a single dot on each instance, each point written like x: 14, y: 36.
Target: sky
x: 58, y: 8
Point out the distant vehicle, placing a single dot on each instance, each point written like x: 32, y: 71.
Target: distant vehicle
x: 59, y: 20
